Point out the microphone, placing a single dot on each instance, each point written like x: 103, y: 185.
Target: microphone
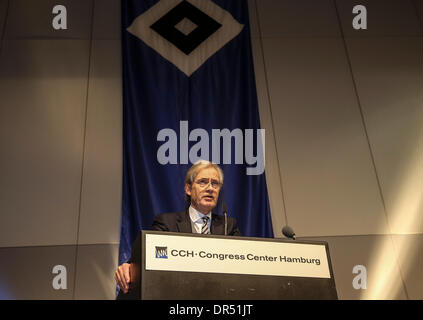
x: 225, y: 212
x: 288, y: 232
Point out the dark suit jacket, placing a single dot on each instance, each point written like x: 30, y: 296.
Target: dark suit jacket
x: 176, y: 222
x: 181, y: 222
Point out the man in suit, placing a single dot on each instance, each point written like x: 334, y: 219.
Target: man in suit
x: 203, y: 183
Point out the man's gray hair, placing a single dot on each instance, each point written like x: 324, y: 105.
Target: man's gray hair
x: 196, y: 168
x: 200, y: 165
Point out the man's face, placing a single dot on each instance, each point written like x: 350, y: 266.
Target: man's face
x: 204, y: 191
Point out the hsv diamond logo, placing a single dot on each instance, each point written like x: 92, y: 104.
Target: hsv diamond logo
x: 186, y: 32
x: 186, y: 41
x: 161, y: 252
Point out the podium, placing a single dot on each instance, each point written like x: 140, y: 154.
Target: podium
x: 182, y: 266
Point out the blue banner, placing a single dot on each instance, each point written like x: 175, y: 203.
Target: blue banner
x: 189, y: 93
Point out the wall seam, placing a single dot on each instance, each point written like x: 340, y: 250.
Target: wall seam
x: 83, y: 146
x: 363, y: 121
x: 266, y: 80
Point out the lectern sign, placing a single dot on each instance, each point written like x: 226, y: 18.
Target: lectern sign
x: 235, y: 256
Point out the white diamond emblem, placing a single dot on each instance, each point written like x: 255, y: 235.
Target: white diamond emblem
x: 191, y: 57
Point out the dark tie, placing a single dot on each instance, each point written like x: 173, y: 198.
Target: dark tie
x: 205, y: 228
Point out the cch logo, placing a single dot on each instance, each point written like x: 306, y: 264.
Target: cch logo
x: 161, y: 252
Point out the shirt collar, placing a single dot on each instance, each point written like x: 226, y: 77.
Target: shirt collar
x: 196, y: 215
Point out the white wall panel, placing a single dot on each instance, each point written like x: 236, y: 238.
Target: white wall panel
x: 409, y: 248
x: 96, y: 265
x: 254, y: 25
x: 297, y: 18
x: 107, y: 19
x: 33, y: 19
x: 384, y: 18
x: 328, y: 179
x: 102, y: 177
x: 377, y: 254
x: 27, y: 273
x: 274, y: 188
x: 389, y: 75
x: 273, y: 179
x: 43, y: 86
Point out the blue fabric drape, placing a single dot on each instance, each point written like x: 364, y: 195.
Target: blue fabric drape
x: 156, y: 95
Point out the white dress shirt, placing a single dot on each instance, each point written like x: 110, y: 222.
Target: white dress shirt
x: 197, y: 219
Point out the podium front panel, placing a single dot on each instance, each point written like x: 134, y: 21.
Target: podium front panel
x: 176, y: 266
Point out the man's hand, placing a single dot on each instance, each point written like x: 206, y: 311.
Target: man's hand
x: 123, y: 276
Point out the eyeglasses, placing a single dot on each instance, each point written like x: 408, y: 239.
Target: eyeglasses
x: 205, y: 183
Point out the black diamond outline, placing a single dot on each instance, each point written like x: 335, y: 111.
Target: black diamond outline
x: 206, y: 26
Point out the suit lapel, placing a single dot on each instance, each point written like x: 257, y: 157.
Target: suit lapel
x: 183, y: 222
x: 218, y: 226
